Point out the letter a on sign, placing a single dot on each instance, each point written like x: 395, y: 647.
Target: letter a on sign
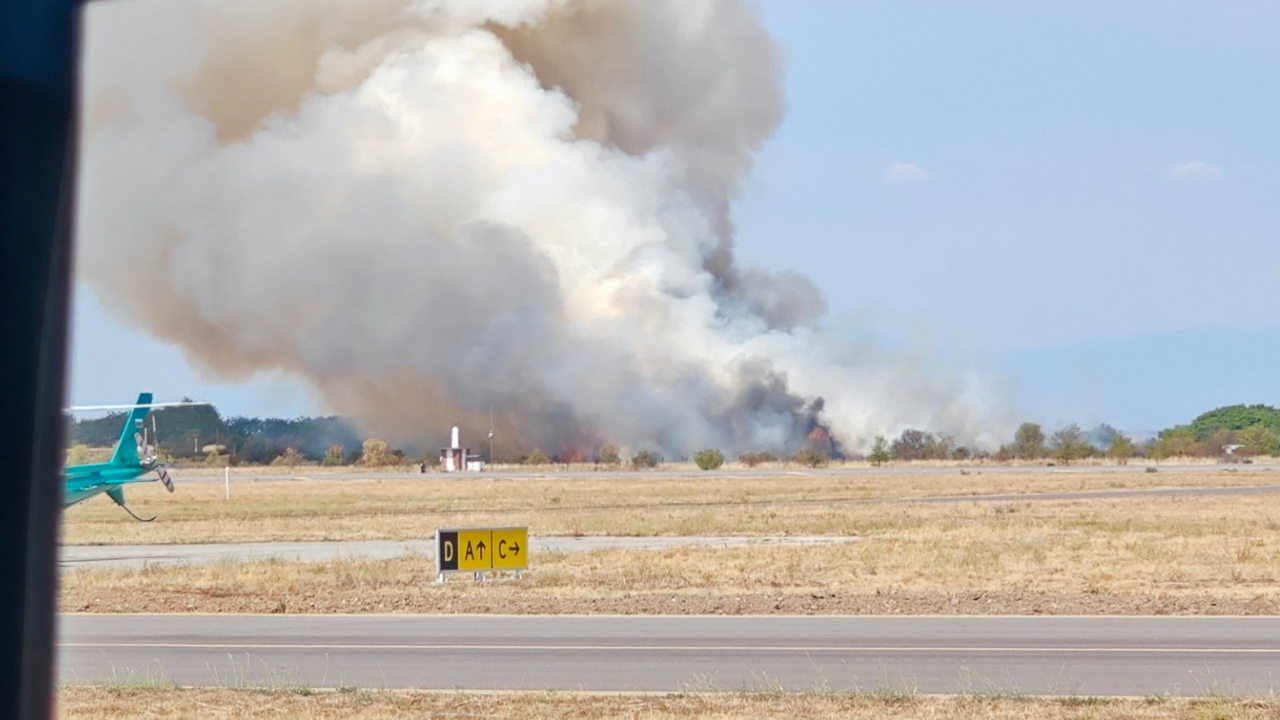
x: 473, y: 547
x: 446, y: 550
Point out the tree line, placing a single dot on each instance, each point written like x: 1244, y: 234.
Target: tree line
x: 1241, y: 431
x: 200, y: 433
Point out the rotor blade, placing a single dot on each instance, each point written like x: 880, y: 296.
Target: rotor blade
x: 90, y: 408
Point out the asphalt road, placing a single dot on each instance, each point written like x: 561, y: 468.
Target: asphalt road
x: 137, y: 556
x: 1029, y: 655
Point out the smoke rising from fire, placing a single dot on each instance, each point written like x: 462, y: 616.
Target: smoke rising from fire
x: 427, y: 208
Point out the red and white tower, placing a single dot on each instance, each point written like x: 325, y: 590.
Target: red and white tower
x: 454, y: 457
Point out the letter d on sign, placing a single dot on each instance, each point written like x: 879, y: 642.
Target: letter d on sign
x: 446, y: 550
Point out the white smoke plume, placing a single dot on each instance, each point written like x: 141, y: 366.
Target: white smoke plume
x: 427, y: 208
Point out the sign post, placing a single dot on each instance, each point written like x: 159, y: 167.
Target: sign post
x: 481, y: 550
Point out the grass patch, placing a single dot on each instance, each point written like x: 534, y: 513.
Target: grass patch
x: 107, y: 703
x: 1201, y: 555
x: 374, y: 508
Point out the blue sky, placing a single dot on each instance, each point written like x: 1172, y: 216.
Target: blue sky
x: 1081, y: 198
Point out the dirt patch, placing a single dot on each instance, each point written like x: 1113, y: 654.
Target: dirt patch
x: 510, y: 598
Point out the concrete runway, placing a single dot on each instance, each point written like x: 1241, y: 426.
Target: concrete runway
x: 1029, y: 655
x: 137, y: 556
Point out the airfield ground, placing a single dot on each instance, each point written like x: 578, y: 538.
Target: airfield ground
x: 314, y: 507
x: 1189, y: 554
x: 111, y: 703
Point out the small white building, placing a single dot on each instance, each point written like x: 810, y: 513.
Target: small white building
x: 456, y: 458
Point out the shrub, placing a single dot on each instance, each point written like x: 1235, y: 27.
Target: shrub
x: 537, y: 457
x: 756, y: 458
x: 333, y: 456
x: 396, y: 457
x: 291, y: 458
x: 644, y: 459
x: 78, y: 454
x: 1121, y: 449
x: 375, y: 453
x: 812, y: 458
x: 609, y: 455
x: 708, y: 459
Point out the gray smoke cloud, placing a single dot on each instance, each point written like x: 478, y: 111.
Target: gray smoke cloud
x: 427, y: 208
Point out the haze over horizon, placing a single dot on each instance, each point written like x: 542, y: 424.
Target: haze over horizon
x: 1078, y: 204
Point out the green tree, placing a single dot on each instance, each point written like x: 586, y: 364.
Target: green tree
x: 645, y: 459
x: 333, y: 456
x: 537, y: 457
x: 1235, y: 418
x: 609, y: 455
x: 1101, y: 436
x: 375, y: 453
x: 258, y: 450
x: 708, y: 459
x: 1028, y: 442
x: 184, y: 431
x: 939, y: 447
x: 910, y: 445
x: 1120, y: 449
x: 879, y: 451
x: 1069, y: 444
x: 1177, y: 441
x: 1260, y: 440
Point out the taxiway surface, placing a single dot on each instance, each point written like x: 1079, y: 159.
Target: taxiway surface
x: 1030, y: 655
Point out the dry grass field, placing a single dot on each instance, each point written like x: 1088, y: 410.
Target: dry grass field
x: 1188, y: 554
x: 100, y: 703
x: 326, y: 509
